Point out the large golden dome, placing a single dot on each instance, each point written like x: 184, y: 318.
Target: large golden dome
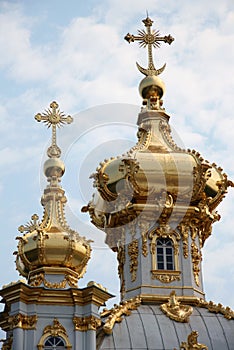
x: 155, y: 177
x: 154, y: 173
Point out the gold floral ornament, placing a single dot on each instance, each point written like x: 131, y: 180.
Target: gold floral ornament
x: 115, y: 314
x: 174, y: 310
x: 55, y: 118
x: 192, y: 343
x: 149, y: 38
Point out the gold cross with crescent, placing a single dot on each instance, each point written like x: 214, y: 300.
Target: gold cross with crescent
x: 150, y: 38
x: 55, y: 118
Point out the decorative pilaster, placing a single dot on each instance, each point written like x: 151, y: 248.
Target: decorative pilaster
x: 23, y: 321
x: 84, y: 324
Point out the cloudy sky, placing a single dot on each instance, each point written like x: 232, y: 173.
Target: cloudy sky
x: 73, y: 52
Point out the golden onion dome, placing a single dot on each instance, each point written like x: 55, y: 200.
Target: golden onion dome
x: 155, y: 175
x: 50, y: 253
x: 52, y: 248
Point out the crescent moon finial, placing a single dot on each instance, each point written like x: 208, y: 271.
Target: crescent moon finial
x: 149, y: 38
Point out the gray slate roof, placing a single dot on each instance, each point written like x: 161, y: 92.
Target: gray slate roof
x: 149, y: 328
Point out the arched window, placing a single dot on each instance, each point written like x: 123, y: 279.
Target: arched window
x: 54, y: 338
x: 165, y: 254
x: 54, y: 343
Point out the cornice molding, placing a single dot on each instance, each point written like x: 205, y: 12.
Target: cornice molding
x: 40, y: 295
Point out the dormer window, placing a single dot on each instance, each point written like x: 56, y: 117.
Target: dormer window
x: 165, y: 254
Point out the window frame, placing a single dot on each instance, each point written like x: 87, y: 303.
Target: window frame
x: 164, y: 244
x: 58, y: 347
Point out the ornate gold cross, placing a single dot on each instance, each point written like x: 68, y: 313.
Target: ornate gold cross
x: 150, y: 38
x: 55, y: 118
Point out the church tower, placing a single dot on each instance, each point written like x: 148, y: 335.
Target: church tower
x: 49, y: 311
x: 157, y: 204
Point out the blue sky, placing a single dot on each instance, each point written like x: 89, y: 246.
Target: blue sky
x: 73, y: 52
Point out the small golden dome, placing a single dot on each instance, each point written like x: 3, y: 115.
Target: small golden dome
x: 52, y: 248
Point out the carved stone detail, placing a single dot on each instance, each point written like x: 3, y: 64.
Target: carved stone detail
x: 23, y: 321
x: 84, y: 324
x: 115, y: 314
x: 192, y: 343
x: 175, y: 310
x: 133, y: 254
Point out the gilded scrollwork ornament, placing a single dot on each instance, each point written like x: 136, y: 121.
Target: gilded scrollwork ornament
x: 115, y: 314
x: 55, y: 330
x: 167, y: 276
x: 121, y: 260
x: 133, y: 252
x: 217, y: 308
x: 184, y: 231
x: 38, y: 279
x: 144, y: 225
x: 23, y: 321
x: 196, y: 260
x: 175, y: 310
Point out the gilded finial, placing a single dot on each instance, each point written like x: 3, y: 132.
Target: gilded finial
x: 55, y: 118
x: 150, y: 38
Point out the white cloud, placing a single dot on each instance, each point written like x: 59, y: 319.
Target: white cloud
x: 18, y: 57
